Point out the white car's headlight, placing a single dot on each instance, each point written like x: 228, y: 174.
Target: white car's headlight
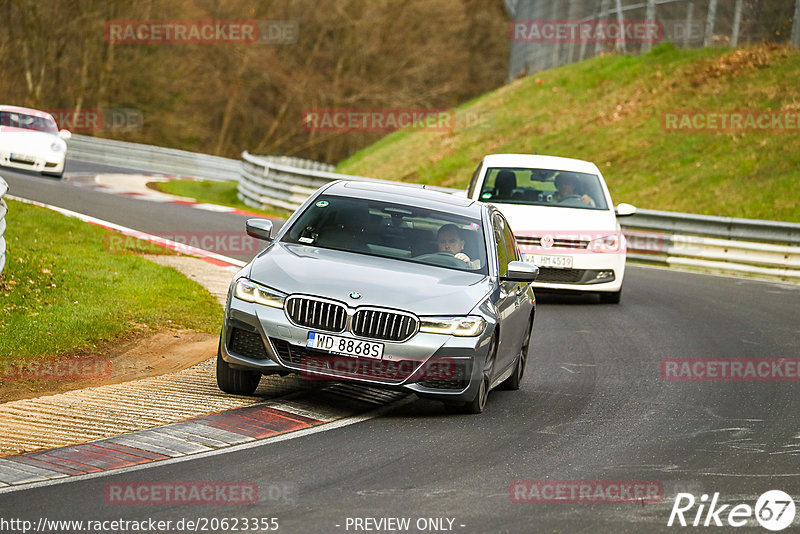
x: 249, y: 291
x: 57, y: 146
x: 469, y: 326
x: 610, y: 243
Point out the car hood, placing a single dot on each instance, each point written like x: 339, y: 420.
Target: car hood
x: 26, y: 141
x: 421, y: 289
x: 539, y: 220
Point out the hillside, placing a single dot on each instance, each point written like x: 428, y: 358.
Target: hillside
x: 611, y: 110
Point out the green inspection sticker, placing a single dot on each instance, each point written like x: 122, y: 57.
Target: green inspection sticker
x: 322, y: 203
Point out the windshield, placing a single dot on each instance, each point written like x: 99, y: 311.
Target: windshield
x: 29, y: 122
x: 543, y: 187
x: 392, y: 231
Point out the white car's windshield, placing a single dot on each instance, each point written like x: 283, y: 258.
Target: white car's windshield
x: 543, y: 187
x: 28, y: 122
x: 392, y: 231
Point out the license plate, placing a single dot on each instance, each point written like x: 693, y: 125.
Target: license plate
x: 559, y: 262
x: 344, y: 345
x: 22, y: 158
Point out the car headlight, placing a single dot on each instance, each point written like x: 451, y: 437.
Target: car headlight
x: 610, y: 243
x: 250, y: 291
x: 469, y: 326
x: 57, y: 146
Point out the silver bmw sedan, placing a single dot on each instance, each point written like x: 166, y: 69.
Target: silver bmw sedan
x: 395, y: 286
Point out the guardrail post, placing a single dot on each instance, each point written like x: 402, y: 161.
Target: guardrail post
x: 796, y: 25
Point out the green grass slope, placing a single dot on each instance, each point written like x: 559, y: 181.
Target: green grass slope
x: 610, y: 110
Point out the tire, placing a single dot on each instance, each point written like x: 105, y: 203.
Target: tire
x: 611, y: 298
x: 478, y: 403
x: 235, y: 381
x: 58, y: 175
x: 512, y: 383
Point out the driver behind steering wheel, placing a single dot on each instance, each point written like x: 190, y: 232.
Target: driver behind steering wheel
x: 567, y: 188
x: 449, y: 240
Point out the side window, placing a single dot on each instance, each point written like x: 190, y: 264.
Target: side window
x: 512, y: 250
x: 473, y: 183
x: 499, y: 227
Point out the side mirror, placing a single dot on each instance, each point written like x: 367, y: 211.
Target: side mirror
x: 520, y: 271
x: 259, y: 228
x: 66, y: 135
x: 624, y: 210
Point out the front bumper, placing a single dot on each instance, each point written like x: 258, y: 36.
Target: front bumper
x: 602, y: 272
x: 52, y: 164
x: 445, y: 367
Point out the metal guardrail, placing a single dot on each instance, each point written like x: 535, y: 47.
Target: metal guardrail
x: 3, y: 211
x: 265, y: 184
x: 169, y: 160
x: 723, y: 244
x: 152, y: 158
x: 741, y: 246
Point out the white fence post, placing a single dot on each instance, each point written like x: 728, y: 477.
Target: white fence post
x: 710, y: 21
x: 650, y: 15
x: 737, y: 22
x: 3, y: 211
x: 796, y: 25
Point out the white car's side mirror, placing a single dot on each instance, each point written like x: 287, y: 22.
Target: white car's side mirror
x: 66, y: 135
x: 624, y: 210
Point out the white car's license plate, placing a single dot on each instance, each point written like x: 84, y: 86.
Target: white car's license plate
x: 560, y: 262
x: 344, y: 345
x: 22, y: 158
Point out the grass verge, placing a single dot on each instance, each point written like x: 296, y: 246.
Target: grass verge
x: 213, y: 192
x: 63, y: 290
x: 610, y: 110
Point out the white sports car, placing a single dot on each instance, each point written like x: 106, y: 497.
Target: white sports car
x: 561, y: 213
x: 30, y: 140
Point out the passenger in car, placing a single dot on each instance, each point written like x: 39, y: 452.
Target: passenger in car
x: 504, y: 184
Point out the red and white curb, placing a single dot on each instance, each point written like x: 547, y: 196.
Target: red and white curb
x: 236, y: 429
x: 135, y: 186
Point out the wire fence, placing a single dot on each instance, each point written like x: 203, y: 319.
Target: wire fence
x: 546, y: 34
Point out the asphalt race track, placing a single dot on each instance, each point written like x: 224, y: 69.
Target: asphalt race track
x: 593, y: 407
